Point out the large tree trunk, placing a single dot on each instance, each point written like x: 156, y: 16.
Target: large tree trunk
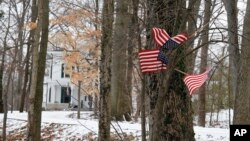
x: 105, y: 71
x: 39, y: 57
x: 203, y: 66
x: 242, y: 100
x: 231, y: 7
x: 119, y: 95
x: 170, y: 104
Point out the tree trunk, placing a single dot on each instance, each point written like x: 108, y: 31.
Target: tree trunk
x: 4, y: 98
x: 132, y: 38
x: 203, y: 66
x: 170, y: 104
x: 39, y: 57
x: 105, y: 71
x: 2, y: 65
x: 79, y: 100
x: 242, y: 99
x: 20, y: 43
x: 231, y: 7
x: 97, y: 45
x: 27, y: 59
x: 6, y: 91
x: 119, y: 96
x: 194, y: 6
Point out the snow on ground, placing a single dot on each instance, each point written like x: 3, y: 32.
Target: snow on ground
x: 63, y: 126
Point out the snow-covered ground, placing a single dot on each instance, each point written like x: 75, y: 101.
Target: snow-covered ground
x: 63, y: 126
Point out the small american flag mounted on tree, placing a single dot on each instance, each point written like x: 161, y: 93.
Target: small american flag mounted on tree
x: 149, y: 61
x: 162, y: 38
x: 195, y: 81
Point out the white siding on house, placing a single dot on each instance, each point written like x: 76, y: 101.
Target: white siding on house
x: 54, y: 82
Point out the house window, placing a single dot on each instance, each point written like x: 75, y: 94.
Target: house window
x: 63, y: 73
x: 85, y: 98
x: 65, y: 94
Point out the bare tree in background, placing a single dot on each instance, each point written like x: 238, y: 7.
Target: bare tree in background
x: 120, y: 99
x: 242, y: 104
x: 105, y: 71
x: 203, y: 65
x: 234, y: 54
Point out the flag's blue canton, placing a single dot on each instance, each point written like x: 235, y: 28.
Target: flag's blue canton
x: 170, y: 44
x: 162, y: 57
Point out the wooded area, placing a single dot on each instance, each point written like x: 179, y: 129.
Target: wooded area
x: 102, y: 40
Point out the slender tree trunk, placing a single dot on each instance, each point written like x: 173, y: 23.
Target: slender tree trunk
x: 194, y: 6
x: 79, y: 100
x: 105, y: 71
x: 203, y: 66
x: 143, y: 112
x: 4, y: 98
x: 20, y: 40
x: 132, y: 38
x: 34, y: 14
x: 97, y: 45
x: 39, y: 57
x: 242, y: 99
x: 6, y: 91
x: 2, y: 65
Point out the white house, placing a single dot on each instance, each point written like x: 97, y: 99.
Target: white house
x: 59, y: 92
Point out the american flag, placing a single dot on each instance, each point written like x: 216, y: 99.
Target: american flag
x: 149, y: 61
x: 195, y: 81
x: 162, y: 38
x: 175, y: 41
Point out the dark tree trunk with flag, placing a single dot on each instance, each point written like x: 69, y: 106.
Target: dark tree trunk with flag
x: 170, y: 102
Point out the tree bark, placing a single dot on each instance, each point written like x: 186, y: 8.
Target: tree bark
x: 39, y: 57
x: 105, y: 71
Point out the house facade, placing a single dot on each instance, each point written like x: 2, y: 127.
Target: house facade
x: 59, y: 92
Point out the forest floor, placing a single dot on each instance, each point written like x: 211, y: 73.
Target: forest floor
x: 64, y: 126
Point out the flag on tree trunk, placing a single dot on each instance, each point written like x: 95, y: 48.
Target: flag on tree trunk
x: 149, y: 61
x: 195, y: 81
x: 162, y: 38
